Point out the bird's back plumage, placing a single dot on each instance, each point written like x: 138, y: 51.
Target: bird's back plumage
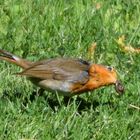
x: 71, y: 70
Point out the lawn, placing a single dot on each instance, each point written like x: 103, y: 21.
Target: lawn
x: 38, y: 29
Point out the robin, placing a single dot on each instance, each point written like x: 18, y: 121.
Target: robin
x: 67, y: 76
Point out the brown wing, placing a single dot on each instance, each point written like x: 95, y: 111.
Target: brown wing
x: 71, y: 70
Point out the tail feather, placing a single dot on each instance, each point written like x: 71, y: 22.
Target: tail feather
x: 4, y: 55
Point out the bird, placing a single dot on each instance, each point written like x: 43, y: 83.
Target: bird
x: 66, y: 76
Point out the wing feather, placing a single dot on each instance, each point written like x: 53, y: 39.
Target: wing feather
x: 71, y: 70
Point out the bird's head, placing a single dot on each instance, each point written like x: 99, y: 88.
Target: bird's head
x: 105, y: 75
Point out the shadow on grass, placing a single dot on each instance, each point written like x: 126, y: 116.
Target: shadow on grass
x: 82, y: 105
x: 53, y: 102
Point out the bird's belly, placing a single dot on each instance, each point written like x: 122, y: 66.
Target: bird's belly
x: 62, y: 87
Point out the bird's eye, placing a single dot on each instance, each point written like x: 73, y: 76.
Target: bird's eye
x: 110, y: 68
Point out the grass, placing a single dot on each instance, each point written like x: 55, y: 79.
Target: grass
x: 37, y: 29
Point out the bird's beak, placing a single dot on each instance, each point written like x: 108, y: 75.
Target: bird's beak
x: 119, y: 87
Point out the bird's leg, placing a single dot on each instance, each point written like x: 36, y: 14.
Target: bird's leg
x: 67, y: 100
x: 40, y: 92
x: 37, y: 93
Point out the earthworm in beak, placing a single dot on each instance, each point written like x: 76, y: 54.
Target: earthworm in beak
x: 119, y: 87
